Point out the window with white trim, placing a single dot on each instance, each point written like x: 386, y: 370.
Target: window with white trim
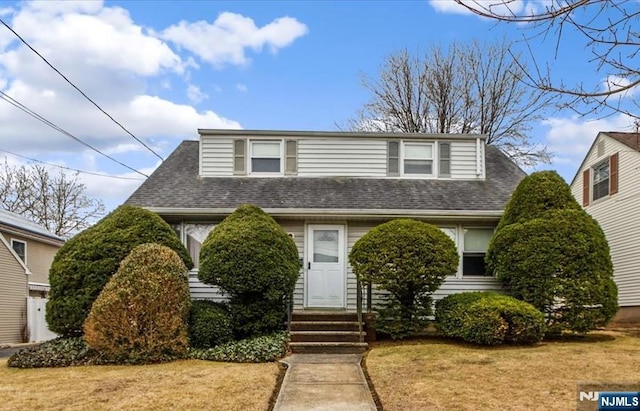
x: 601, y: 179
x: 194, y: 236
x: 20, y: 247
x: 417, y: 158
x: 452, y: 233
x: 476, y: 244
x: 266, y: 157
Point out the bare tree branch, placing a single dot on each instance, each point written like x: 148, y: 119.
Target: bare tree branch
x: 609, y: 29
x: 475, y: 88
x: 55, y: 201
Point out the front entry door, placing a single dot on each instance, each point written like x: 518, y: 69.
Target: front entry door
x: 326, y: 275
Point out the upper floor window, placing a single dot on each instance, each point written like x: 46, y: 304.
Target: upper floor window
x: 601, y: 180
x: 418, y: 158
x: 266, y: 156
x: 20, y: 247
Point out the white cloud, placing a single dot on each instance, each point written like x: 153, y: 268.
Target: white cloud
x: 106, y: 38
x: 110, y: 58
x: 569, y: 139
x: 195, y: 95
x: 449, y: 7
x: 613, y: 83
x: 500, y: 8
x: 129, y: 70
x: 242, y: 88
x: 227, y: 38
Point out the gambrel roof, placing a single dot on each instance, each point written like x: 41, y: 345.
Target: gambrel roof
x: 176, y: 185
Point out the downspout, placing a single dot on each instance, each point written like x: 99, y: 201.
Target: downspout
x: 478, y: 158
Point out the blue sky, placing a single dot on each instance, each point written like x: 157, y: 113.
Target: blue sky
x: 166, y: 68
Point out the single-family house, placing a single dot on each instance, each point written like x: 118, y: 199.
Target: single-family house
x: 607, y: 184
x: 26, y: 253
x: 327, y: 189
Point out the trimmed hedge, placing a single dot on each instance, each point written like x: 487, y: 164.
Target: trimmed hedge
x: 409, y: 259
x: 255, y: 263
x: 84, y: 264
x: 141, y: 314
x: 537, y: 193
x: 266, y: 348
x: 209, y: 324
x: 560, y: 264
x: 489, y: 318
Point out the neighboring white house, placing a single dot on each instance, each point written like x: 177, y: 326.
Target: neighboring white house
x: 327, y: 189
x: 26, y: 253
x: 607, y: 184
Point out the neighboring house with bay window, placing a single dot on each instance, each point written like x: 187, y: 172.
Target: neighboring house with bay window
x: 607, y: 184
x: 26, y: 253
x: 327, y: 189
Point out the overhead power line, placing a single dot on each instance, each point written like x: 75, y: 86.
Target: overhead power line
x: 69, y: 168
x: 17, y: 104
x: 80, y: 91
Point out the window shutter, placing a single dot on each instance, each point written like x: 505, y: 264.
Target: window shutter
x: 239, y: 157
x: 445, y: 159
x: 291, y: 157
x: 613, y: 174
x: 585, y: 187
x: 393, y: 158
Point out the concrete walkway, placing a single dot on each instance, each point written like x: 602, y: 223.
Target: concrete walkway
x: 318, y: 382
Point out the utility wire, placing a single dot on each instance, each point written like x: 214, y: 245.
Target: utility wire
x: 17, y: 104
x: 80, y: 91
x: 69, y: 168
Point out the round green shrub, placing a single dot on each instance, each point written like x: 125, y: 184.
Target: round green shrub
x: 255, y: 263
x: 489, y: 318
x: 209, y: 324
x: 559, y: 263
x: 141, y: 314
x: 84, y: 264
x: 409, y: 259
x: 537, y: 193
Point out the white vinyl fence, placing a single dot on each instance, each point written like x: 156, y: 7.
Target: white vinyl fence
x: 36, y: 311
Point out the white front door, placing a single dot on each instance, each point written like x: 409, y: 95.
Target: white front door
x: 326, y: 266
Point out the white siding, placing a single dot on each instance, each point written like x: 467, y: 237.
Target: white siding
x: 345, y: 158
x: 216, y: 157
x: 452, y: 285
x: 619, y: 216
x: 464, y: 160
x: 201, y: 291
x: 297, y: 229
x: 13, y: 297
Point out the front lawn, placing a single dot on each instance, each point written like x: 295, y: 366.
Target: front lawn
x: 179, y: 385
x: 437, y: 374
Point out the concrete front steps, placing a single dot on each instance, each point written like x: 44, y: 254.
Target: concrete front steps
x: 326, y: 332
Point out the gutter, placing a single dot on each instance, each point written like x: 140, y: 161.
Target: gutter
x: 458, y: 215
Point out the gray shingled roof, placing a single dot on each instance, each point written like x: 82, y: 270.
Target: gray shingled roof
x: 10, y: 219
x: 176, y: 184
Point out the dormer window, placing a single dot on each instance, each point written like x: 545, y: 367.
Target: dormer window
x: 418, y: 158
x: 266, y: 157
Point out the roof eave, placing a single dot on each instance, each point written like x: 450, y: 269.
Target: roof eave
x: 335, y: 134
x: 458, y: 215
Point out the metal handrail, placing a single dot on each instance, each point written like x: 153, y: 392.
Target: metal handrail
x: 359, y: 308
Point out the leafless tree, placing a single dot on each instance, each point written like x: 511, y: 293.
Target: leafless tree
x: 55, y: 201
x: 474, y: 88
x: 608, y: 29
